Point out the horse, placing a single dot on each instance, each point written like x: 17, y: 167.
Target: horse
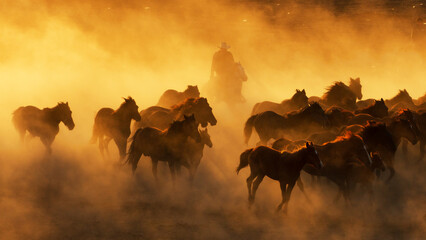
x: 42, y: 123
x: 272, y: 125
x: 341, y: 95
x: 194, y: 151
x: 297, y: 101
x: 335, y: 156
x: 338, y: 117
x: 420, y: 126
x: 161, y: 118
x: 402, y: 97
x: 421, y: 100
x: 172, y: 97
x: 284, y: 167
x: 359, y: 172
x: 378, y: 109
x: 163, y: 145
x: 115, y: 124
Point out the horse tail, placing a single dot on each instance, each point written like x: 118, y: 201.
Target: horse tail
x: 16, y: 118
x: 244, y: 158
x: 249, y: 127
x: 135, y: 152
x: 95, y: 133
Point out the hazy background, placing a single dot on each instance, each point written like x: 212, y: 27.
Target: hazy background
x: 93, y: 53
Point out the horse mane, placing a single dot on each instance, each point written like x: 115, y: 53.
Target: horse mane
x: 402, y: 95
x: 338, y: 91
x: 126, y: 101
x: 184, y: 104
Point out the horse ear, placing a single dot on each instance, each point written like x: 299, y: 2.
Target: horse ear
x: 405, y: 90
x: 303, y: 91
x: 382, y: 100
x: 67, y: 103
x: 307, y: 144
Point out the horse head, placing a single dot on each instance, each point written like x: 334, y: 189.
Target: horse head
x: 203, y: 112
x: 65, y: 115
x: 192, y: 91
x: 315, y: 112
x: 300, y: 98
x: 356, y: 87
x: 312, y: 156
x: 131, y: 108
x: 380, y: 108
x: 190, y: 128
x: 205, y: 138
x: 405, y: 128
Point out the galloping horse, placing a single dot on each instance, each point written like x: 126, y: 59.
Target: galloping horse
x: 42, y: 123
x: 162, y: 117
x: 272, y: 125
x: 168, y: 145
x: 115, y: 124
x: 298, y: 101
x: 284, y: 167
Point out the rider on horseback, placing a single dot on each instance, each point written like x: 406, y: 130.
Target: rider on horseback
x: 227, y: 75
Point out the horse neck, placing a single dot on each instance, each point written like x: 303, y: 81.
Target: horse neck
x: 301, y: 158
x: 52, y: 114
x: 396, y: 135
x: 123, y: 115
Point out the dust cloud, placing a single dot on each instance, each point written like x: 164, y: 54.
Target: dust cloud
x: 93, y: 53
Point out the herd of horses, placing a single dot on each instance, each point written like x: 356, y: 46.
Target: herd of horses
x: 339, y: 136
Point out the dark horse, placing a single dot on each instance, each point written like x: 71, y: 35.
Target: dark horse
x: 284, y: 167
x: 172, y: 97
x: 168, y: 145
x: 162, y: 117
x: 298, y: 101
x: 272, y: 125
x: 110, y: 124
x: 377, y: 109
x: 42, y: 123
x: 342, y: 95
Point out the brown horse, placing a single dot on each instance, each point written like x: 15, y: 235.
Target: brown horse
x: 341, y: 95
x: 335, y: 155
x: 420, y: 125
x: 194, y: 153
x: 338, y: 117
x: 168, y: 145
x: 161, y: 118
x: 272, y: 125
x: 378, y: 109
x: 172, y: 97
x: 284, y: 167
x: 42, y: 123
x: 402, y: 97
x: 115, y: 124
x: 298, y: 101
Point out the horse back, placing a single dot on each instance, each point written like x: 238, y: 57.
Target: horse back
x: 23, y: 116
x: 170, y: 98
x: 265, y: 160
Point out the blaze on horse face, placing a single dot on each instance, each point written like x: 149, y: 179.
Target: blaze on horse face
x: 204, y: 113
x: 191, y: 128
x: 65, y: 115
x: 313, y: 156
x: 132, y: 108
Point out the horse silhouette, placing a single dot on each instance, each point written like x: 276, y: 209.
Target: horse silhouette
x: 377, y: 109
x: 335, y: 155
x: 163, y: 145
x: 338, y: 117
x: 172, y: 97
x: 284, y: 167
x: 114, y: 125
x: 402, y: 97
x: 419, y: 118
x: 272, y: 125
x: 194, y: 153
x: 42, y: 123
x: 341, y: 95
x: 161, y: 118
x: 298, y: 100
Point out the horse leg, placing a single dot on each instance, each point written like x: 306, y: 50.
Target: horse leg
x: 107, y: 140
x: 288, y: 193
x: 256, y: 184
x: 172, y: 171
x: 101, y: 145
x: 302, y: 188
x: 422, y: 149
x: 283, y: 187
x: 47, y: 142
x: 121, y: 144
x: 154, y: 169
x: 249, y: 184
